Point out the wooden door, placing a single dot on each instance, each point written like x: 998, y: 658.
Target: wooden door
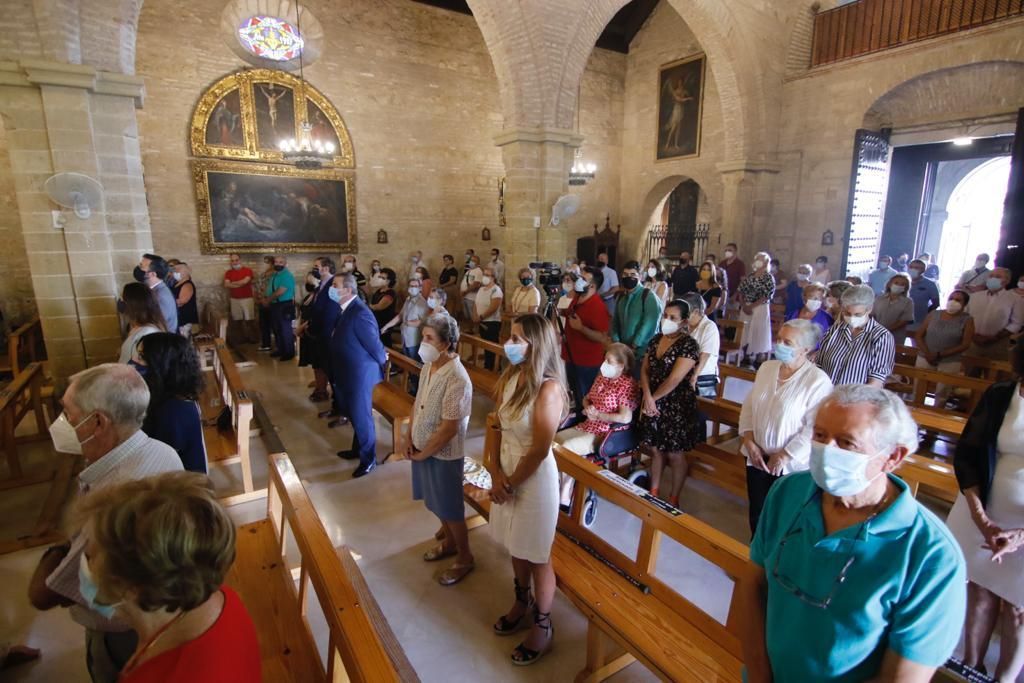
x: 682, y: 217
x: 869, y: 182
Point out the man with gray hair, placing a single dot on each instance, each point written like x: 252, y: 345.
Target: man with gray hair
x: 857, y: 580
x: 102, y: 421
x: 857, y: 349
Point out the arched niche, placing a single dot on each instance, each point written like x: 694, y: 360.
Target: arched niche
x: 244, y: 115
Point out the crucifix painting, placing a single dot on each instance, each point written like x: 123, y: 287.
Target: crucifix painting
x: 275, y: 114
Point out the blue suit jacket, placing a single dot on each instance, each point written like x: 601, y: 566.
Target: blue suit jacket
x: 325, y: 312
x: 357, y: 354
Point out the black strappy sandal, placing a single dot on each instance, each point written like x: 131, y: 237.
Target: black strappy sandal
x: 504, y: 627
x: 525, y: 655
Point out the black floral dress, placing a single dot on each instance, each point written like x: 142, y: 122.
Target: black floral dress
x: 678, y: 426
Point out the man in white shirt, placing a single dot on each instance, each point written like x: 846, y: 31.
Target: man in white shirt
x: 879, y: 278
x: 973, y: 280
x: 998, y: 314
x: 472, y: 280
x: 611, y: 283
x: 499, y: 267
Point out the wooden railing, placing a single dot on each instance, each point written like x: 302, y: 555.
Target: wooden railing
x: 867, y: 26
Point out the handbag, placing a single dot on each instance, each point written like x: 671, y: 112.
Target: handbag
x: 707, y: 386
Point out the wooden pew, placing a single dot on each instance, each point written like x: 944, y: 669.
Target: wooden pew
x: 921, y: 384
x: 24, y: 346
x: 731, y: 338
x: 471, y: 350
x: 361, y: 647
x: 623, y: 616
x: 229, y: 446
x: 991, y: 370
x: 24, y: 396
x: 215, y: 326
x: 394, y: 402
x: 906, y: 355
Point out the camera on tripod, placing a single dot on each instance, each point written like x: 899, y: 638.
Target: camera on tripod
x: 549, y: 277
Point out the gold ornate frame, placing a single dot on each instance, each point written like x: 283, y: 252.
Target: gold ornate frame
x: 700, y: 105
x: 207, y: 243
x: 243, y: 82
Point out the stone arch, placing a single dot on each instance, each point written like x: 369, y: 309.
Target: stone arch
x: 656, y: 196
x: 959, y: 93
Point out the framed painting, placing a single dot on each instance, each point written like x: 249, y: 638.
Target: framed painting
x: 224, y: 127
x: 275, y: 114
x: 253, y: 208
x: 680, y: 104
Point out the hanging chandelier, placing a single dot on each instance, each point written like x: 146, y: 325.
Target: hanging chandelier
x: 305, y: 152
x: 581, y: 171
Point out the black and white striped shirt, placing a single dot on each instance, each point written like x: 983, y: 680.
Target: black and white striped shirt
x: 849, y: 360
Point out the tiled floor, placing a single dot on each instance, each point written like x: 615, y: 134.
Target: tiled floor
x: 445, y: 631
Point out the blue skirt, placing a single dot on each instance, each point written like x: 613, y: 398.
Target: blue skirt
x: 438, y: 483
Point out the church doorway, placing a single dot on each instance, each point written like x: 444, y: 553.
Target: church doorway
x: 675, y: 224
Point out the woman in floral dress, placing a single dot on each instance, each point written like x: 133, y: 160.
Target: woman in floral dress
x: 669, y: 423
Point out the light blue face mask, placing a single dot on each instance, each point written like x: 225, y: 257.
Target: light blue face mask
x: 839, y: 471
x: 335, y: 294
x: 784, y: 354
x: 516, y: 353
x: 994, y: 284
x: 89, y: 590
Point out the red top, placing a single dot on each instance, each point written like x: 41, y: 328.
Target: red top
x: 734, y: 271
x: 227, y: 653
x: 244, y: 292
x: 608, y: 395
x: 594, y: 315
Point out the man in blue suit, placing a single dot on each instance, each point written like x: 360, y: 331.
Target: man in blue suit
x: 357, y: 365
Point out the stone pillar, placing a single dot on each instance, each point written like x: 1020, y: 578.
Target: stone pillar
x: 537, y: 163
x: 747, y: 204
x: 76, y: 119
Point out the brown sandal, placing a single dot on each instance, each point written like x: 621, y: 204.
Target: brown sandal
x: 438, y: 552
x: 455, y: 573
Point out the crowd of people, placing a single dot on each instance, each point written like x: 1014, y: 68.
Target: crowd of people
x: 840, y: 543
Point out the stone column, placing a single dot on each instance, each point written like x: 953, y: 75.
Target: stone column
x: 537, y: 163
x: 747, y: 204
x: 77, y: 119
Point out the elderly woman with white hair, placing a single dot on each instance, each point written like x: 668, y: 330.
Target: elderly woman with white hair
x: 755, y: 294
x: 857, y: 349
x: 855, y: 579
x: 776, y: 436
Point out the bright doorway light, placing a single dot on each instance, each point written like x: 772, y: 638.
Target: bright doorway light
x: 974, y: 215
x: 963, y: 142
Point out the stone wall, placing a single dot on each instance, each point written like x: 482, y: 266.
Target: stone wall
x: 417, y: 90
x: 17, y: 300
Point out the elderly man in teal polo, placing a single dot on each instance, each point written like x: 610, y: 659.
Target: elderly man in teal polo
x: 857, y: 580
x: 637, y: 314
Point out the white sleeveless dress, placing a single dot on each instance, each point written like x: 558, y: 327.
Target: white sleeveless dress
x: 1005, y: 507
x: 526, y: 523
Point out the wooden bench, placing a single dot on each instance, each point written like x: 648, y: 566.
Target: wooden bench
x: 228, y: 444
x: 905, y: 355
x: 361, y: 647
x: 24, y: 346
x: 24, y: 396
x: 991, y: 370
x: 215, y: 326
x: 638, y: 625
x: 918, y: 385
x: 471, y: 350
x: 730, y: 334
x: 393, y: 400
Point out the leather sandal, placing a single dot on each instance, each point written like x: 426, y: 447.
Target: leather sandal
x: 455, y: 573
x: 524, y: 656
x: 439, y: 552
x: 504, y: 627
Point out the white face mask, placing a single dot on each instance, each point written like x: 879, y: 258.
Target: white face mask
x: 347, y: 267
x: 177, y: 277
x: 813, y: 305
x: 839, y: 471
x: 897, y: 289
x: 915, y: 272
x: 428, y: 352
x: 669, y: 326
x: 651, y: 272
x: 758, y: 264
x: 414, y: 291
x: 954, y: 306
x: 610, y: 371
x: 1020, y: 284
x: 486, y: 279
x: 581, y: 285
x: 856, y: 321
x: 433, y: 302
x: 64, y: 435
x: 803, y: 277
x: 728, y: 253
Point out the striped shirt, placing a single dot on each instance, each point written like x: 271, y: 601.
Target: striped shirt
x: 849, y: 360
x: 137, y: 457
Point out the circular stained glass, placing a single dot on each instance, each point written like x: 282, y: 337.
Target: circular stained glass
x: 270, y: 38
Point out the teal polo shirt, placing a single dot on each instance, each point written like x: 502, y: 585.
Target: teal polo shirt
x: 905, y: 590
x: 283, y: 279
x: 636, y: 319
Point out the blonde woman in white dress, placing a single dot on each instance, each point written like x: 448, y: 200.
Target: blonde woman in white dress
x: 532, y: 399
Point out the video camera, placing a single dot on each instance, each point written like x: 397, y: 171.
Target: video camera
x: 549, y: 277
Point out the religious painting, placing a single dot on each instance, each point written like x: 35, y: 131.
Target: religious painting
x: 275, y: 113
x: 321, y: 125
x: 680, y: 100
x: 224, y: 127
x: 255, y: 208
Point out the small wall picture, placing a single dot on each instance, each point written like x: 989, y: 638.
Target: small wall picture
x: 680, y: 101
x: 224, y: 128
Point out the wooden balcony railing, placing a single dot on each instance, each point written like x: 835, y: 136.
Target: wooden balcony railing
x: 867, y: 26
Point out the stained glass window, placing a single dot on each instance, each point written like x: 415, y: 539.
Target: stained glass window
x: 270, y: 38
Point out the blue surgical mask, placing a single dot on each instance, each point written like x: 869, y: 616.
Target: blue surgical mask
x: 335, y: 294
x: 784, y: 353
x: 839, y: 471
x: 994, y: 284
x: 89, y: 590
x: 516, y: 353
